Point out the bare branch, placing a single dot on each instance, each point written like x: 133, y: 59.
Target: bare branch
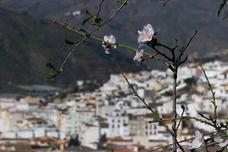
x: 183, y: 110
x: 164, y: 46
x: 160, y: 53
x: 99, y: 7
x: 197, y: 119
x: 90, y: 33
x: 156, y: 114
x: 140, y: 98
x: 213, y: 101
x: 165, y: 2
x: 146, y: 56
x: 184, y: 48
x: 189, y: 139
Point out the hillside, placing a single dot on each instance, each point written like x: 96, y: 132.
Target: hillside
x: 29, y: 41
x: 26, y: 45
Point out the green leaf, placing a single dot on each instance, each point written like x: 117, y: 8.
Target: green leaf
x: 51, y: 71
x: 88, y: 12
x: 122, y: 2
x: 69, y: 42
x: 97, y: 20
x: 222, y: 4
x: 86, y: 20
x: 82, y: 30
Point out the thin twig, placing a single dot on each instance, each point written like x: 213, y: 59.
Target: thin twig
x: 146, y: 55
x: 138, y: 96
x: 70, y: 53
x: 160, y: 53
x: 194, y: 118
x: 175, y: 104
x: 154, y: 112
x: 178, y: 125
x: 164, y: 46
x: 213, y: 101
x: 165, y: 2
x: 90, y: 33
x: 182, y: 51
x: 183, y: 141
x: 99, y: 7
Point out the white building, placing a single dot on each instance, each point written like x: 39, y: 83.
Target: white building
x: 89, y: 135
x: 70, y: 122
x: 118, y: 124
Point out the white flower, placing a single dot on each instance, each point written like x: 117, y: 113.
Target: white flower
x: 138, y: 56
x: 197, y: 142
x: 221, y: 142
x: 108, y: 43
x: 146, y: 34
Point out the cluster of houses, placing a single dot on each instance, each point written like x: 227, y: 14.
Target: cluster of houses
x: 112, y: 117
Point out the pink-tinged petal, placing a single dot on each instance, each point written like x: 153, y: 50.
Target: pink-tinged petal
x: 146, y: 34
x: 138, y: 56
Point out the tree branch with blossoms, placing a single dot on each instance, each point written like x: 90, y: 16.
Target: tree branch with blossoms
x: 171, y: 57
x: 146, y: 36
x: 88, y: 34
x: 149, y: 37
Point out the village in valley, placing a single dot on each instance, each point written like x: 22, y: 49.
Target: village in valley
x: 111, y: 117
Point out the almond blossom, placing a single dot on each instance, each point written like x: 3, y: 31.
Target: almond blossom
x: 108, y: 43
x: 197, y: 142
x: 138, y: 56
x: 146, y: 34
